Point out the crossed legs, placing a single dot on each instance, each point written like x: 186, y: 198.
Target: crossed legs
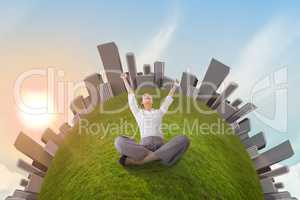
x: 137, y: 154
x: 149, y: 158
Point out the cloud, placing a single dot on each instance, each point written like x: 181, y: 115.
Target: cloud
x: 291, y: 180
x: 160, y: 41
x: 9, y: 181
x: 261, y: 53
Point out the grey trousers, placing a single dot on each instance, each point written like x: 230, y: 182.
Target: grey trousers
x: 168, y: 153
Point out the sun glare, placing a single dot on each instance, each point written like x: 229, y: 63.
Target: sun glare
x: 35, y: 101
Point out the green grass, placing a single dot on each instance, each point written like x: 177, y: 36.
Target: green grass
x: 216, y: 166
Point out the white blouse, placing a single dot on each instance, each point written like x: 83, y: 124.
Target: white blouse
x: 149, y: 122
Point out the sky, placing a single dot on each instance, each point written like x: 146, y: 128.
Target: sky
x: 259, y: 40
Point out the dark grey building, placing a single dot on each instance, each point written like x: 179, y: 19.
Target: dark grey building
x: 188, y: 81
x: 145, y: 81
x: 226, y: 110
x: 147, y: 69
x: 167, y: 82
x: 21, y: 195
x: 131, y: 65
x: 244, y: 110
x: 225, y: 94
x: 159, y: 69
x: 49, y: 134
x: 29, y: 168
x: 78, y: 106
x: 237, y: 102
x: 110, y: 57
x: 33, y: 150
x: 214, y: 76
x: 92, y: 84
x: 272, y: 156
x: 257, y: 140
x: 34, y: 183
x: 105, y: 92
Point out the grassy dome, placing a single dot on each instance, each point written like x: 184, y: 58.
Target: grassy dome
x: 216, y: 166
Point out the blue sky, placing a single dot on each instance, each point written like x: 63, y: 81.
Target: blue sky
x: 255, y: 39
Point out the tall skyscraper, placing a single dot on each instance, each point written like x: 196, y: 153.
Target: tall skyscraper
x: 159, y: 68
x: 215, y: 75
x: 230, y: 88
x: 147, y: 69
x: 110, y: 57
x: 187, y: 81
x: 92, y: 83
x: 131, y: 65
x: 105, y: 92
x: 32, y: 149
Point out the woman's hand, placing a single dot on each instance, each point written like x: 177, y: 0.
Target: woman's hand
x: 123, y: 76
x: 176, y: 83
x: 174, y: 87
x: 127, y: 85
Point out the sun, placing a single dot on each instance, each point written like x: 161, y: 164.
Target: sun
x: 35, y: 101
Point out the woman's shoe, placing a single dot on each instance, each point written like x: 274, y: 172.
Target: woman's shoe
x: 122, y: 160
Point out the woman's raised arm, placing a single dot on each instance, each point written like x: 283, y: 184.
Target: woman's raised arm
x: 131, y: 97
x: 127, y: 85
x: 173, y: 89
